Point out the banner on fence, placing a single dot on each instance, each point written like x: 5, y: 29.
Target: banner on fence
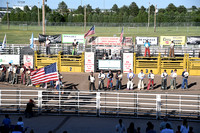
x: 5, y: 59
x: 108, y: 41
x: 52, y: 38
x: 127, y: 62
x: 109, y: 64
x: 69, y: 38
x: 28, y: 61
x: 89, y: 62
x: 166, y: 40
x: 193, y: 40
x: 141, y: 40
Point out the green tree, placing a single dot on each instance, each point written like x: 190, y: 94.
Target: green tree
x: 194, y: 8
x: 97, y: 10
x: 34, y: 9
x: 124, y: 10
x: 80, y: 10
x: 115, y: 8
x: 152, y: 9
x: 89, y: 9
x: 26, y: 9
x: 62, y: 7
x: 143, y: 9
x: 181, y: 9
x: 171, y: 8
x: 133, y: 8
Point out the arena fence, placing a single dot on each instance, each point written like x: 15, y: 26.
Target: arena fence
x: 66, y: 63
x: 115, y: 104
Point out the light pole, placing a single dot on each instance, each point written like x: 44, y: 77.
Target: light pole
x: 38, y: 13
x: 43, y: 17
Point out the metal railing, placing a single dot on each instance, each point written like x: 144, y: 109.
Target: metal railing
x: 117, y: 104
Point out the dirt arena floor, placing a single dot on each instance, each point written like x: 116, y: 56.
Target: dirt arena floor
x: 79, y: 81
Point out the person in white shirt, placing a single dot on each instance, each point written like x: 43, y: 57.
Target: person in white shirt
x: 171, y: 52
x: 185, y: 127
x: 47, y: 44
x: 151, y: 80
x: 10, y: 73
x: 15, y: 75
x: 20, y: 122
x: 141, y: 77
x: 120, y: 128
x: 167, y: 129
x: 164, y: 76
x: 173, y: 79
x: 91, y: 79
x: 101, y: 78
x: 130, y: 77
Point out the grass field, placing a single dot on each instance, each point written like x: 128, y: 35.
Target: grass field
x: 21, y: 34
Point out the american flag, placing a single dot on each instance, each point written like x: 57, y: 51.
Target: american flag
x: 90, y: 32
x: 121, y: 36
x: 45, y: 74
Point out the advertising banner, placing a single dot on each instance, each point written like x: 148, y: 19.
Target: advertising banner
x: 195, y: 40
x: 89, y: 62
x: 5, y: 59
x: 141, y: 40
x: 127, y: 62
x: 28, y: 61
x: 166, y: 40
x: 69, y: 38
x: 52, y: 38
x: 109, y: 64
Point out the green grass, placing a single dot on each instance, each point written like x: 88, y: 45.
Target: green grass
x: 22, y: 34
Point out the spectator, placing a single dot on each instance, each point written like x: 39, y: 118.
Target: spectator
x: 167, y: 129
x: 173, y: 79
x: 115, y: 57
x: 20, y: 122
x: 147, y: 45
x: 141, y: 77
x: 164, y: 76
x: 130, y: 77
x: 138, y: 130
x: 185, y: 75
x: 163, y: 124
x: 6, y: 124
x: 47, y: 44
x: 74, y: 44
x: 110, y: 80
x: 91, y: 79
x: 10, y: 73
x: 171, y: 52
x: 118, y: 78
x: 104, y: 57
x: 185, y: 127
x: 179, y: 129
x: 151, y: 126
x: 131, y: 128
x: 101, y: 78
x: 17, y: 129
x: 3, y: 73
x: 151, y: 80
x: 120, y: 128
x: 29, y: 109
x: 15, y: 75
x: 191, y: 130
x: 58, y: 83
x: 148, y: 126
x: 29, y: 83
x: 23, y: 74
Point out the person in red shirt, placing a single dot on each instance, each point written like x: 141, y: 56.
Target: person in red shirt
x: 23, y: 74
x: 3, y: 73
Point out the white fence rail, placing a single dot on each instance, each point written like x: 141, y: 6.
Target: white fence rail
x: 102, y: 103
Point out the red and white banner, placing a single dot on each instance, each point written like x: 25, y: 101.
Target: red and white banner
x: 28, y: 61
x: 127, y: 62
x: 89, y: 62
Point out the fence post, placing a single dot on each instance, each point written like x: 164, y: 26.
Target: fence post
x: 59, y: 61
x: 82, y: 62
x: 158, y: 106
x: 188, y: 62
x: 98, y: 103
x: 159, y: 64
x: 35, y: 58
x: 39, y: 102
x: 134, y: 63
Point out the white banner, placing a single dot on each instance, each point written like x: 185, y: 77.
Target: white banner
x: 28, y: 61
x: 142, y: 40
x: 89, y: 62
x: 127, y: 62
x: 110, y: 64
x: 69, y: 38
x: 5, y: 59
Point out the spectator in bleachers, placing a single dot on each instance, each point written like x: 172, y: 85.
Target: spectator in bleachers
x: 131, y: 128
x: 104, y: 57
x: 23, y: 74
x: 141, y: 77
x: 151, y: 127
x: 6, y: 124
x: 110, y: 80
x: 130, y: 77
x: 178, y: 129
x: 101, y: 78
x: 171, y: 52
x: 91, y: 79
x: 163, y: 124
x: 29, y: 109
x: 173, y: 79
x: 115, y: 57
x: 17, y: 129
x: 147, y: 45
x: 164, y: 76
x: 167, y: 129
x: 151, y: 80
x: 184, y: 126
x: 118, y: 78
x: 10, y: 73
x: 3, y: 73
x: 120, y: 128
x: 15, y: 75
x: 185, y: 75
x: 20, y: 122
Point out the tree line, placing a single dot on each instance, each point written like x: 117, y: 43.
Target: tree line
x: 124, y: 14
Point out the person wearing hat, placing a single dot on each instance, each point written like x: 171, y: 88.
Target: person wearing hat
x: 147, y: 45
x: 185, y: 75
x: 151, y: 80
x: 47, y: 44
x: 171, y: 52
x: 91, y: 79
x: 163, y: 124
x: 141, y: 77
x: 173, y: 79
x: 164, y: 76
x: 3, y: 73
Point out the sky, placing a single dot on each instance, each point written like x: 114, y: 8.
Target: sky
x: 104, y: 4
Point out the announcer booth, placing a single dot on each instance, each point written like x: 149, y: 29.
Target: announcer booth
x: 108, y: 53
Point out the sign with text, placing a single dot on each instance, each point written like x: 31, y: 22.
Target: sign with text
x: 166, y: 40
x: 28, y: 61
x: 195, y: 40
x: 89, y: 62
x: 69, y: 38
x: 127, y: 62
x: 5, y: 59
x: 142, y: 40
x: 109, y: 64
